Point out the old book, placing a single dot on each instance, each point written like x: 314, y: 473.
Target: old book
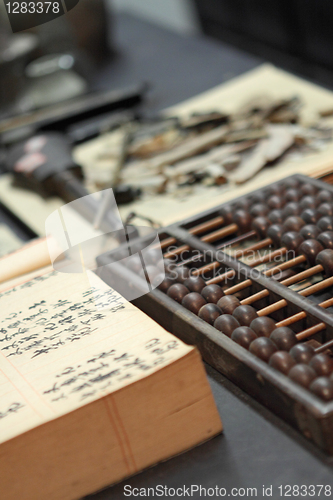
x: 91, y: 389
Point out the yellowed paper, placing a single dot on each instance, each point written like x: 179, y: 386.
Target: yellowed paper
x: 58, y: 351
x: 228, y: 97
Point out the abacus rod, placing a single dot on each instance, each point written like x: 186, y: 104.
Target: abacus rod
x: 201, y: 228
x: 302, y: 315
x: 261, y: 260
x: 324, y: 347
x: 268, y: 272
x: 237, y: 240
x: 305, y: 293
x: 287, y: 282
x: 311, y: 331
x: 209, y: 238
x: 214, y: 265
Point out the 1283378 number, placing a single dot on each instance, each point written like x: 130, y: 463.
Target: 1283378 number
x: 33, y: 7
x: 312, y: 490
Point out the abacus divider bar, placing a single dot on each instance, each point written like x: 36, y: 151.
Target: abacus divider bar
x: 324, y: 347
x: 317, y: 287
x: 287, y: 282
x: 239, y: 239
x: 261, y: 260
x: 201, y: 228
x: 302, y: 315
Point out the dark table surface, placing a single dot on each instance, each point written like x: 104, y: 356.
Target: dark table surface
x: 257, y: 448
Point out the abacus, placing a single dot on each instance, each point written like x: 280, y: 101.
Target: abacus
x: 250, y: 284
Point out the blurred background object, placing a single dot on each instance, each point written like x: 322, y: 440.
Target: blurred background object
x: 293, y: 34
x: 177, y: 15
x: 53, y: 62
x: 15, y: 52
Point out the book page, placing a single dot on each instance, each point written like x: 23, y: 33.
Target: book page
x: 60, y: 350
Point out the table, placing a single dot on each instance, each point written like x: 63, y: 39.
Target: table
x: 257, y: 448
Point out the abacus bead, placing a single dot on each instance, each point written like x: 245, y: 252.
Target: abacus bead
x: 212, y: 293
x: 325, y: 259
x: 308, y: 202
x: 310, y: 249
x: 193, y: 302
x: 195, y: 283
x: 326, y: 239
x: 291, y: 209
x: 263, y: 326
x: 284, y: 338
x: 309, y: 232
x: 275, y: 217
x: 258, y: 197
x: 308, y: 189
x: 322, y: 364
x: 243, y: 220
x: 291, y: 183
x: 292, y: 241
x: 182, y: 273
x: 325, y: 209
x: 243, y: 335
x: 310, y: 215
x: 324, y: 196
x: 292, y: 195
x: 302, y: 353
x: 275, y: 202
x: 228, y: 304
x: 177, y: 292
x: 243, y: 204
x: 275, y: 234
x: 322, y: 387
x: 275, y: 189
x: 166, y: 283
x: 302, y: 374
x: 325, y: 223
x: 226, y: 324
x: 227, y: 213
x: 258, y: 210
x: 263, y: 348
x: 282, y: 361
x: 209, y: 313
x: 261, y: 225
x: 293, y: 223
x: 245, y: 315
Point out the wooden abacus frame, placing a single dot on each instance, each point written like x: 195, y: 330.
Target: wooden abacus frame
x: 295, y: 404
